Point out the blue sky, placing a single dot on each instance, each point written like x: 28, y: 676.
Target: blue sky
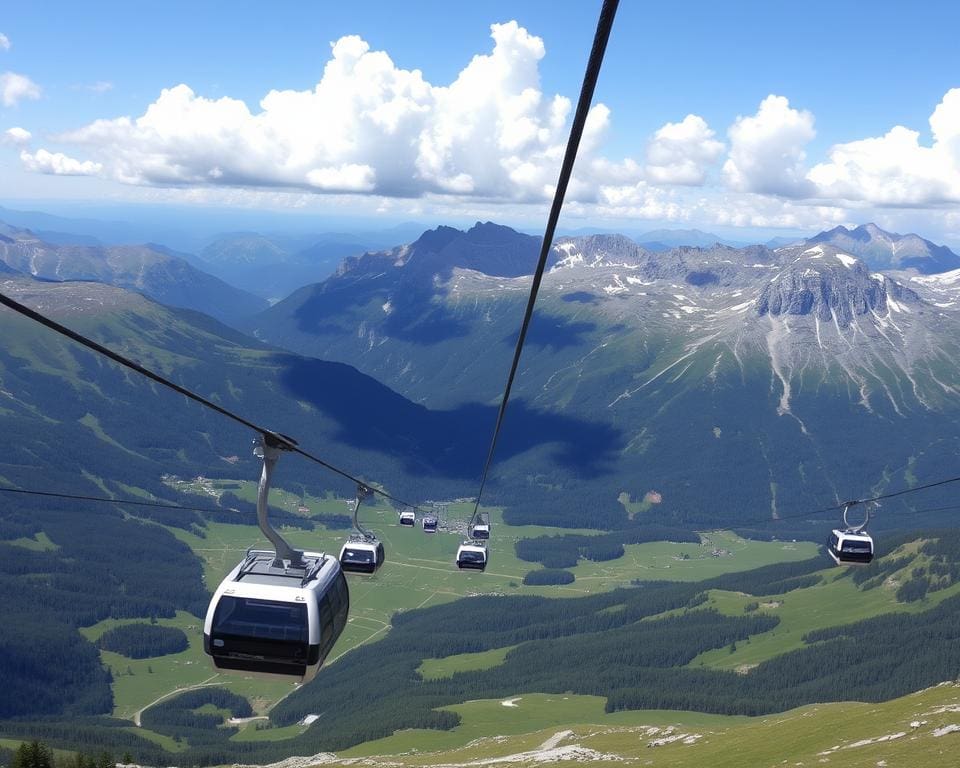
x: 840, y: 74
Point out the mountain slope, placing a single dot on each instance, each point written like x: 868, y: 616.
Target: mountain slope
x: 673, y: 238
x: 640, y: 648
x: 914, y: 730
x: 152, y: 271
x: 77, y: 422
x: 785, y: 369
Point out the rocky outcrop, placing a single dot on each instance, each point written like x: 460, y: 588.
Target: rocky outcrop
x: 832, y: 286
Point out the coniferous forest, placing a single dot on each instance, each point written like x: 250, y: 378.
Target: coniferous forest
x: 105, y: 566
x: 143, y: 641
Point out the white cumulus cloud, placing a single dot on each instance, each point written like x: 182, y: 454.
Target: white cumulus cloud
x: 767, y: 150
x: 682, y: 153
x: 16, y: 135
x: 4, y: 42
x: 58, y: 164
x: 366, y: 127
x: 896, y: 169
x: 14, y: 88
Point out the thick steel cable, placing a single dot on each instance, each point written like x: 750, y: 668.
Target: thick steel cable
x: 855, y: 502
x: 905, y: 491
x: 287, y: 443
x: 108, y: 500
x: 604, y: 25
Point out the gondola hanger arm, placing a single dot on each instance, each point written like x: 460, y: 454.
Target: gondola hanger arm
x: 269, y: 448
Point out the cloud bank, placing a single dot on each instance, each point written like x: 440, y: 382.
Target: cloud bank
x: 367, y: 126
x: 492, y: 136
x: 371, y: 127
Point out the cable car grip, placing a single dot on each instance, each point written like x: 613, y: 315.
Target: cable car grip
x: 866, y: 517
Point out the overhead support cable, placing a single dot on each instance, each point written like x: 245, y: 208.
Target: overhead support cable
x: 361, y: 495
x: 108, y: 500
x: 867, y: 500
x: 905, y: 491
x: 287, y: 443
x: 602, y: 35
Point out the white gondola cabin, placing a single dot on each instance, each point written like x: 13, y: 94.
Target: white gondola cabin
x: 472, y: 555
x: 850, y: 547
x: 362, y: 554
x: 277, y: 621
x: 430, y: 524
x: 408, y: 518
x: 277, y: 614
x: 481, y: 530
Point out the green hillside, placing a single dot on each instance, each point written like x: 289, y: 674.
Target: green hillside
x: 920, y: 729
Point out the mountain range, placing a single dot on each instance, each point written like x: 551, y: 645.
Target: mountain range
x: 149, y: 269
x: 889, y: 250
x: 785, y: 368
x: 272, y: 266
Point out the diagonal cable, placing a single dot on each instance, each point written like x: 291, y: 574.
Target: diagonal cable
x: 287, y: 443
x: 604, y: 25
x: 106, y: 499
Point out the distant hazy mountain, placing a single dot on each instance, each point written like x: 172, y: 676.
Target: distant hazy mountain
x: 273, y: 266
x: 785, y: 369
x: 69, y: 231
x: 243, y: 248
x: 780, y: 242
x: 677, y: 237
x: 153, y: 271
x: 889, y: 250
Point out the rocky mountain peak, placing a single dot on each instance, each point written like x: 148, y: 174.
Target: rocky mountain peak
x: 832, y: 286
x: 488, y: 233
x: 871, y: 230
x: 436, y: 239
x: 596, y: 251
x: 889, y: 250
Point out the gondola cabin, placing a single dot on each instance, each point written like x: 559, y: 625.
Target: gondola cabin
x: 278, y: 622
x: 850, y: 548
x: 429, y: 524
x: 481, y: 531
x: 472, y: 555
x: 408, y: 518
x: 361, y: 555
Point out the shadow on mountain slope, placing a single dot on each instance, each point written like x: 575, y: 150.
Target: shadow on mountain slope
x: 553, y: 332
x: 450, y: 443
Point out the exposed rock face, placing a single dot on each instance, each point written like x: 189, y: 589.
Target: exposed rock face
x: 832, y: 286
